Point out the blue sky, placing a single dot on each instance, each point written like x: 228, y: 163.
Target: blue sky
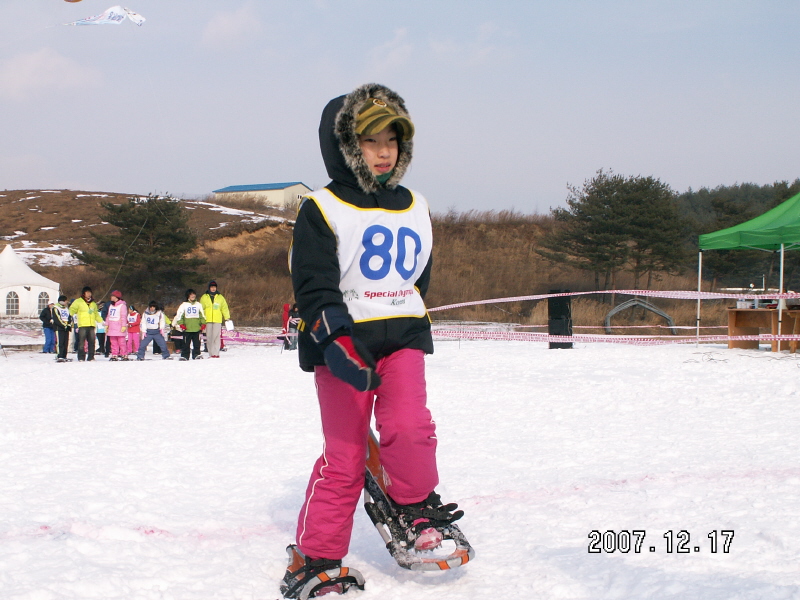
x: 512, y: 100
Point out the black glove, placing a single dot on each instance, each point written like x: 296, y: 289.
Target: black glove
x: 346, y: 357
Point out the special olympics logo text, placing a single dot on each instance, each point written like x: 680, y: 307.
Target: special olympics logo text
x: 388, y: 294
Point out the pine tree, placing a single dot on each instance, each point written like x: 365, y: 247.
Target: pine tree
x: 657, y: 231
x: 616, y: 223
x: 151, y: 248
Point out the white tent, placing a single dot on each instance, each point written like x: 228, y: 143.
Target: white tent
x: 23, y: 292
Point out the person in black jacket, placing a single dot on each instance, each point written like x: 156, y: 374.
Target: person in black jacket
x: 361, y: 264
x: 46, y: 317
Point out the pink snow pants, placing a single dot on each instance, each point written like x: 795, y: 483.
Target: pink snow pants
x: 408, y: 449
x: 118, y: 345
x: 133, y: 342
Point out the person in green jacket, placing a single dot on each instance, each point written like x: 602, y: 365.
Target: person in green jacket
x: 191, y: 319
x: 86, y: 316
x: 216, y: 312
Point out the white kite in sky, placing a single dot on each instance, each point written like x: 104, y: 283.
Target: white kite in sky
x: 113, y: 16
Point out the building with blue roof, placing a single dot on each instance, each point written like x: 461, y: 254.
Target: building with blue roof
x: 274, y: 194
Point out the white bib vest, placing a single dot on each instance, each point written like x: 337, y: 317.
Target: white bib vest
x: 64, y: 313
x: 152, y: 321
x: 131, y: 319
x: 114, y: 313
x: 192, y: 311
x: 381, y: 255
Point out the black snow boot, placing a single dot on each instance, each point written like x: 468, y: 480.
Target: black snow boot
x: 310, y: 578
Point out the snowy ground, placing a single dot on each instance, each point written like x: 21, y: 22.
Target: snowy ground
x: 180, y: 480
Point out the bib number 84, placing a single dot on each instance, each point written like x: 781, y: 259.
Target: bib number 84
x: 383, y: 249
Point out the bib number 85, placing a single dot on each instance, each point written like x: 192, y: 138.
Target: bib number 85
x: 378, y: 269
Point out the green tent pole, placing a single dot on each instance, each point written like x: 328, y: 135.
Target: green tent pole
x: 699, y: 289
x: 781, y: 302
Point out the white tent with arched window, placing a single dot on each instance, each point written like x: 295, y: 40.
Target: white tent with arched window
x: 23, y: 292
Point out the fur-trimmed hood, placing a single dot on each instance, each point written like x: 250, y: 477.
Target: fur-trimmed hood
x: 339, y: 142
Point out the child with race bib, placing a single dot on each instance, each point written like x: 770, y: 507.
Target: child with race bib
x: 134, y: 331
x: 117, y: 326
x: 63, y: 323
x: 361, y: 263
x: 191, y: 320
x: 153, y: 324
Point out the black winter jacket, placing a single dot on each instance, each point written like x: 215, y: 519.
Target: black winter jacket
x: 313, y: 259
x: 46, y: 317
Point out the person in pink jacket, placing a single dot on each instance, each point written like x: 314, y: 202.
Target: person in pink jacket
x: 134, y: 329
x: 117, y: 326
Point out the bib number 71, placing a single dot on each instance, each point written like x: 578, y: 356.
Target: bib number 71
x: 378, y: 269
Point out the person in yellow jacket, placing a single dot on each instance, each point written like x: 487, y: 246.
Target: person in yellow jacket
x: 86, y: 316
x: 215, y: 308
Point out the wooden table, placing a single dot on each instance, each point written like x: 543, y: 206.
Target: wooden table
x: 750, y: 321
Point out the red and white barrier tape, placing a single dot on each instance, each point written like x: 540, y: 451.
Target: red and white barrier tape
x: 692, y: 327
x: 521, y: 336
x: 240, y: 337
x: 676, y: 295
x: 23, y: 332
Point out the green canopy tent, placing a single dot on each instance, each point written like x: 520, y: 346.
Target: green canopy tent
x: 776, y: 229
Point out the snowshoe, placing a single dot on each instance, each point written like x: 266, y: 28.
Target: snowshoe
x: 306, y: 578
x: 409, y: 529
x: 421, y: 519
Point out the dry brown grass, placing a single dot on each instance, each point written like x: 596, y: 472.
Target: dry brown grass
x: 253, y: 273
x: 236, y: 229
x: 248, y: 202
x: 489, y: 255
x: 72, y: 279
x: 485, y: 255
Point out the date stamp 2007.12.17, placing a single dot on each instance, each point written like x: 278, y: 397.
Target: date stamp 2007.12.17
x: 680, y: 542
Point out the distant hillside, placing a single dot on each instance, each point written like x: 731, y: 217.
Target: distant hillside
x: 44, y: 226
x: 477, y: 255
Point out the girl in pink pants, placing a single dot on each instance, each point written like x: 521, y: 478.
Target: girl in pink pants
x: 134, y: 329
x: 408, y: 449
x: 361, y: 264
x: 117, y: 325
